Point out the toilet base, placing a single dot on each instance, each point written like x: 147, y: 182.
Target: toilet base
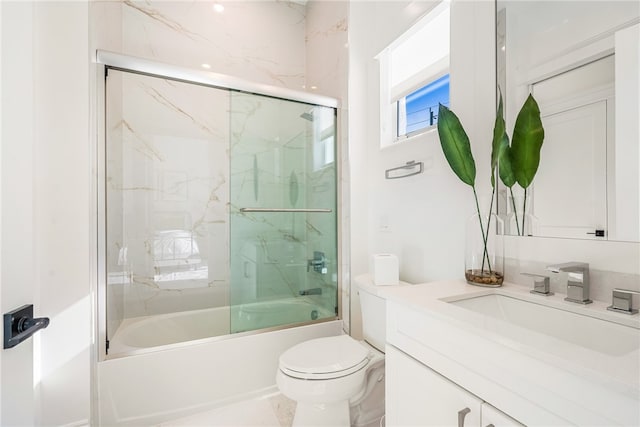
x: 334, y: 414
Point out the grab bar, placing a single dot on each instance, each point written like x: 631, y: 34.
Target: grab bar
x: 285, y: 210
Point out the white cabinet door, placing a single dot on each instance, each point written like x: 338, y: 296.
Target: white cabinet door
x: 418, y: 396
x: 570, y: 189
x: 491, y: 417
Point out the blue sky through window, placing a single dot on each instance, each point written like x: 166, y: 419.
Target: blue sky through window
x: 423, y: 103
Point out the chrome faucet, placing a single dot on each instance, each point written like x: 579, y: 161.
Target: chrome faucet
x: 621, y: 301
x: 578, y: 287
x: 540, y: 284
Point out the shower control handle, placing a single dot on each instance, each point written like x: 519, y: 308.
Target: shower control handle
x: 318, y: 263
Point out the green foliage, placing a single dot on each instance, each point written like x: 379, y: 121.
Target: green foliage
x: 517, y: 162
x: 455, y: 145
x: 500, y: 142
x: 507, y: 176
x: 528, y: 135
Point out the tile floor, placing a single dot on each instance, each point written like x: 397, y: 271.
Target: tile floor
x: 273, y: 410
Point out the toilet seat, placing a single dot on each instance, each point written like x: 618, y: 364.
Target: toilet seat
x: 324, y: 358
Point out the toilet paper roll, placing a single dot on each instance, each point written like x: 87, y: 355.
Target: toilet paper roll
x: 385, y: 269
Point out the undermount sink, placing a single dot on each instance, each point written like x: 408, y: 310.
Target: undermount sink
x: 585, y: 331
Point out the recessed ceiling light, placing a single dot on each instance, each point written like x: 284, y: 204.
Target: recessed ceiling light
x: 314, y: 87
x: 218, y: 7
x: 207, y: 66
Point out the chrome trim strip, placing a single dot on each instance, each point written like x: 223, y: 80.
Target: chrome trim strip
x: 207, y: 78
x: 100, y: 200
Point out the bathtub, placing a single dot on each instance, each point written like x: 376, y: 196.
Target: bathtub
x: 156, y: 385
x: 172, y: 328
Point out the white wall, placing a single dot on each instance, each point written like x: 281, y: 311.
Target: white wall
x: 62, y: 208
x: 17, y: 152
x: 421, y: 218
x: 46, y: 210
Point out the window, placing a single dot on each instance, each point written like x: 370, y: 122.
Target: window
x: 414, y: 74
x: 419, y: 110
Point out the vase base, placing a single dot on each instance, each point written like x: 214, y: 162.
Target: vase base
x: 484, y: 278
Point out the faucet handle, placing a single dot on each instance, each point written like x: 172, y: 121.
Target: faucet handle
x: 540, y: 284
x: 621, y: 301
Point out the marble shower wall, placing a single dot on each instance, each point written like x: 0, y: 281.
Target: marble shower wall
x: 279, y: 43
x: 260, y: 41
x: 327, y: 69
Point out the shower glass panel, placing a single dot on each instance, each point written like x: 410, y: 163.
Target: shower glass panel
x: 283, y: 235
x: 167, y: 227
x: 220, y: 212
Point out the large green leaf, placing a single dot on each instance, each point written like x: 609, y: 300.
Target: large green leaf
x: 528, y: 136
x: 455, y: 145
x: 505, y: 169
x: 498, y: 146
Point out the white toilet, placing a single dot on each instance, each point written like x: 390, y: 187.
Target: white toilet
x: 338, y: 381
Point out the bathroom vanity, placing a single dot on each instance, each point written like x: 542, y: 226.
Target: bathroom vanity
x: 504, y: 357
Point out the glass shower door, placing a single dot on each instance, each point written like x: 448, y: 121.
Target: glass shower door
x: 283, y: 221
x: 166, y: 196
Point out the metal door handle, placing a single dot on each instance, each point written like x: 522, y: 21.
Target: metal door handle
x: 20, y: 324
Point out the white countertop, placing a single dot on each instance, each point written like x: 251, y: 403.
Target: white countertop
x: 548, y: 371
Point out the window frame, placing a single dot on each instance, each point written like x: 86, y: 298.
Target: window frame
x: 389, y: 96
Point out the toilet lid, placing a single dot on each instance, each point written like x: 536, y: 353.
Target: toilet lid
x: 324, y: 358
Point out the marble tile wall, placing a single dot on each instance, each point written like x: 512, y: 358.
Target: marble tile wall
x: 327, y: 72
x: 260, y: 41
x: 279, y: 43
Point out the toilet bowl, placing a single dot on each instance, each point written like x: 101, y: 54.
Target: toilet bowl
x: 326, y: 376
x: 339, y: 381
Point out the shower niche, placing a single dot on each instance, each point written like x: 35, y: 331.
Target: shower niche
x: 217, y: 202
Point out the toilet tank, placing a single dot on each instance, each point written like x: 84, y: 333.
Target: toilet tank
x: 374, y: 311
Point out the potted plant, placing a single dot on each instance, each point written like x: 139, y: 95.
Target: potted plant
x: 515, y: 162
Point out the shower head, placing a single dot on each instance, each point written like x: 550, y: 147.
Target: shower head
x: 307, y: 116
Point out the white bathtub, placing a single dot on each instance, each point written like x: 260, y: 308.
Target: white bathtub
x: 165, y: 329
x: 152, y: 387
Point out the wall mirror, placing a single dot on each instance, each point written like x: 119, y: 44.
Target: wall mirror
x: 581, y: 61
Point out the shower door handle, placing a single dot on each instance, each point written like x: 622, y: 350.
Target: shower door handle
x: 320, y: 210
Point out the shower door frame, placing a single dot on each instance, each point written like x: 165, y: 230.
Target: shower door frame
x: 108, y: 60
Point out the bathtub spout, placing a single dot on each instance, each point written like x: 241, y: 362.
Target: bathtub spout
x: 312, y: 291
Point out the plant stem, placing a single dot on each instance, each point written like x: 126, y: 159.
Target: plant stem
x: 515, y: 211
x: 524, y: 209
x: 486, y: 252
x: 484, y: 237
